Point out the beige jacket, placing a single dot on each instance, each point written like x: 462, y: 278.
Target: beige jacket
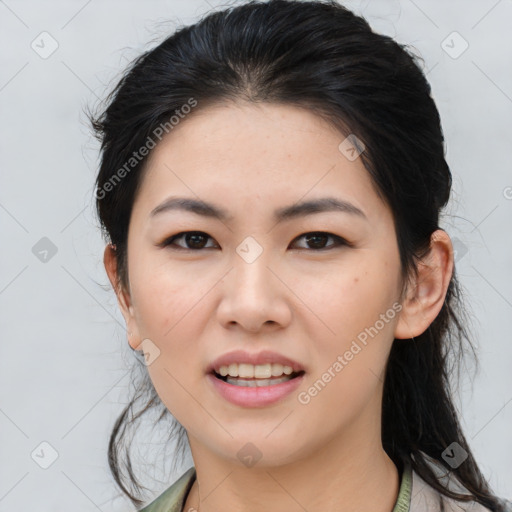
x: 415, y: 495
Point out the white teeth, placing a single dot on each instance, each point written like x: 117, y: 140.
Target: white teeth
x: 257, y: 383
x: 259, y: 371
x: 263, y: 371
x: 245, y: 370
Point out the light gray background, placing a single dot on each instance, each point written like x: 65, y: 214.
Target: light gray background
x: 64, y: 358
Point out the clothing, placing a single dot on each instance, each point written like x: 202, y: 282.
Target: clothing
x: 414, y: 495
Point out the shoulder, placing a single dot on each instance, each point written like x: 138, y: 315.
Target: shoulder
x: 424, y: 498
x: 173, y: 499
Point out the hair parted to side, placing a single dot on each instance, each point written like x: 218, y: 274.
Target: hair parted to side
x: 320, y: 56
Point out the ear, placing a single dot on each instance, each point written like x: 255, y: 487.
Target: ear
x: 425, y: 293
x: 123, y: 297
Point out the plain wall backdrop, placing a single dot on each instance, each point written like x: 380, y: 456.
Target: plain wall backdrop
x: 64, y: 365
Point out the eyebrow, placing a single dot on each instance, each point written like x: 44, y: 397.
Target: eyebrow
x: 205, y: 209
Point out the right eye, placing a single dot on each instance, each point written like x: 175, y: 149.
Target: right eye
x: 194, y: 240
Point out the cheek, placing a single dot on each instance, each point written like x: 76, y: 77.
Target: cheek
x: 352, y: 296
x: 166, y: 301
x: 354, y: 316
x: 168, y: 310
x: 350, y: 346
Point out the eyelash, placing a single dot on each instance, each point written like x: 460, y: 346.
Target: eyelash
x: 339, y: 241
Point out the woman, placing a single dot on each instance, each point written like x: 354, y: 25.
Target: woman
x: 270, y: 188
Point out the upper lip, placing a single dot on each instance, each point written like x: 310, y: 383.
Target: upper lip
x: 263, y: 357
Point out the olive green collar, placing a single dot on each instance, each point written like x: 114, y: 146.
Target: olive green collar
x: 403, y: 502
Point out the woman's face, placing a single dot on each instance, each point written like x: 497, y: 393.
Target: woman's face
x: 255, y: 281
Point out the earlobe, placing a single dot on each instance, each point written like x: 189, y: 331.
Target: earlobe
x: 123, y: 296
x: 427, y: 291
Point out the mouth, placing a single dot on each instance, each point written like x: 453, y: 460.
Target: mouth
x: 255, y: 379
x: 249, y: 379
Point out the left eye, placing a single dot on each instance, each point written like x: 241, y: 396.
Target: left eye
x: 318, y: 240
x: 196, y: 240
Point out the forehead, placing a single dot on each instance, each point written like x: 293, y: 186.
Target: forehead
x: 254, y: 153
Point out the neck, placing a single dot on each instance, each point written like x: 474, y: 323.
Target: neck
x: 340, y: 477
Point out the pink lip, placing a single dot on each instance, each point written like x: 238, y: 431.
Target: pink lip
x: 264, y: 357
x: 254, y: 397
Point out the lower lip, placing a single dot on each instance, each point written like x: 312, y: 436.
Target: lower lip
x: 255, y: 397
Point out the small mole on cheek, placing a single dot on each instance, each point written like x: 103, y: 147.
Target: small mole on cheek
x: 356, y: 279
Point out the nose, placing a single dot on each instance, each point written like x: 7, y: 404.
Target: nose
x: 254, y: 297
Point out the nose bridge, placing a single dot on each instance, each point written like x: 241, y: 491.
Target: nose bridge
x: 252, y: 296
x: 250, y: 266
